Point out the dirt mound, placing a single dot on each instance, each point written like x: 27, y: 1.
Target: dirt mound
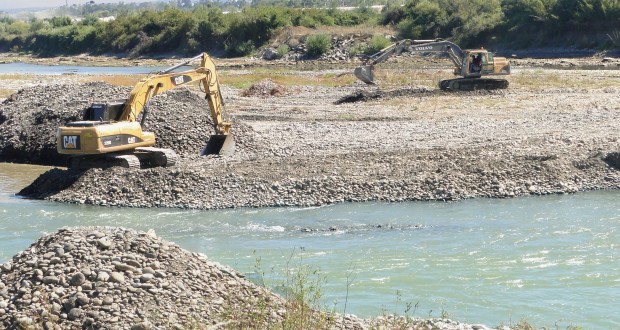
x: 265, y: 88
x: 366, y: 96
x: 30, y: 117
x: 180, y: 119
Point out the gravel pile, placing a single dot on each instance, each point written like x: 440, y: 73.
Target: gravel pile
x: 114, y: 278
x: 30, y: 117
x: 265, y: 88
x: 180, y: 119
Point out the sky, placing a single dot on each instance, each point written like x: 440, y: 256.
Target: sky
x: 15, y: 4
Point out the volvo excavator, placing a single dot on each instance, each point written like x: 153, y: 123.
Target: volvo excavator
x: 471, y: 64
x: 111, y: 134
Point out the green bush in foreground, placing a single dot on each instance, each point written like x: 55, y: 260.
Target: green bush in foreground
x: 318, y: 44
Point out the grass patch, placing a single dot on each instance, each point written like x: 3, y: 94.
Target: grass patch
x: 548, y: 78
x: 16, y: 76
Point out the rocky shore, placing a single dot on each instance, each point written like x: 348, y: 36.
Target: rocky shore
x: 306, y: 146
x: 114, y: 278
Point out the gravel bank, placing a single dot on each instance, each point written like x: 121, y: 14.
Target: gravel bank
x: 309, y: 147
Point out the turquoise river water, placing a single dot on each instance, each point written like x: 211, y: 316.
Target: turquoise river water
x: 552, y: 260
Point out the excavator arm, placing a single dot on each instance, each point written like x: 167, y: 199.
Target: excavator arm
x: 365, y: 72
x: 144, y: 91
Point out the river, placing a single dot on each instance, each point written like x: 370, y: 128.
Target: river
x: 27, y: 68
x: 552, y: 260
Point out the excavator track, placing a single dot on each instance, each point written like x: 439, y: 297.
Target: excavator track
x: 143, y: 157
x: 471, y: 84
x: 153, y: 157
x: 106, y: 161
x: 127, y: 161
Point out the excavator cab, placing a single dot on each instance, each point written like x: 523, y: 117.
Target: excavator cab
x: 104, y: 111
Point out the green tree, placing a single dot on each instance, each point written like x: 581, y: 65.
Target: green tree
x: 525, y: 21
x: 423, y: 19
x: 60, y: 21
x: 253, y: 27
x: 473, y: 20
x: 206, y: 33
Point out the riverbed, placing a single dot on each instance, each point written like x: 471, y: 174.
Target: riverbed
x: 551, y: 260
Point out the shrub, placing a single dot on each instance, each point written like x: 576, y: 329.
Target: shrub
x: 282, y: 50
x: 318, y: 44
x: 376, y: 44
x: 239, y: 48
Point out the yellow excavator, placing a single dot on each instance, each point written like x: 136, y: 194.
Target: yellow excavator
x: 111, y: 135
x: 470, y: 64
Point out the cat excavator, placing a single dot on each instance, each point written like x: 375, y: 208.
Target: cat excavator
x: 471, y: 64
x: 111, y: 134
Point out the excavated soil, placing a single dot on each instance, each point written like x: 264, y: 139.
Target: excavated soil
x: 313, y: 145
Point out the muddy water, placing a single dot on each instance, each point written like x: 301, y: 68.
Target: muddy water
x: 553, y: 260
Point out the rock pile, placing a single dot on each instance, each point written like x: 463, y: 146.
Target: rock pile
x: 366, y: 96
x: 30, y: 117
x: 265, y: 88
x: 114, y: 278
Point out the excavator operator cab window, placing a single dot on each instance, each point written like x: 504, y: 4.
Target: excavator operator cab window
x: 477, y: 61
x: 103, y: 111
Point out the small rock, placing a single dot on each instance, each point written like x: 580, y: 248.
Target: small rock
x: 74, y: 314
x: 51, y: 280
x: 104, y: 244
x: 77, y: 279
x: 117, y: 277
x: 6, y: 267
x: 103, y: 276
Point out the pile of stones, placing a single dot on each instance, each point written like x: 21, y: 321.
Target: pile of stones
x: 101, y: 277
x: 265, y: 88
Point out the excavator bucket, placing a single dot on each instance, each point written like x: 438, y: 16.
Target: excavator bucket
x: 364, y: 73
x: 221, y: 144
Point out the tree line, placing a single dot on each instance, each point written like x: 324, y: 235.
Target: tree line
x: 138, y: 31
